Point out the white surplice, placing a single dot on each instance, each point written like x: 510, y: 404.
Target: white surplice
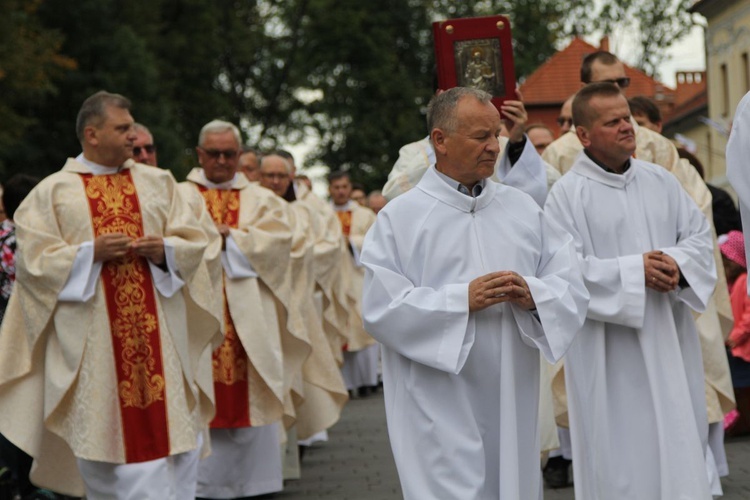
x: 634, y: 373
x: 461, y: 388
x: 738, y: 165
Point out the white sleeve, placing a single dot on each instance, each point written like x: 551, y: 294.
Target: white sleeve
x: 529, y: 174
x: 234, y: 261
x: 83, y: 277
x: 167, y: 282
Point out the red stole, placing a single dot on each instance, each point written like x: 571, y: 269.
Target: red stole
x: 133, y: 320
x: 345, y: 218
x: 230, y: 362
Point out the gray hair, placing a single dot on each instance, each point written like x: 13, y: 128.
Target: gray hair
x: 441, y: 112
x: 94, y: 110
x: 287, y: 163
x: 139, y: 127
x: 219, y: 127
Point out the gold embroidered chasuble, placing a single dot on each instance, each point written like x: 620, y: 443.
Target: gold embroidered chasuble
x: 353, y: 277
x: 324, y: 391
x: 328, y: 248
x: 716, y: 322
x: 59, y: 390
x: 274, y: 340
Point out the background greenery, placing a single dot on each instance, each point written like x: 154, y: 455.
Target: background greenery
x: 353, y: 75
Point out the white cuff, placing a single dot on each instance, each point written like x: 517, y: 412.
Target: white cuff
x: 83, y: 277
x: 234, y: 261
x: 167, y: 282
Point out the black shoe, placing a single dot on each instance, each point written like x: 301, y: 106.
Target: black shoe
x: 555, y: 473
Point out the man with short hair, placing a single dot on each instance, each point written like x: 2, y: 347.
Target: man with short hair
x: 540, y: 136
x: 105, y: 344
x: 465, y: 283
x: 634, y: 374
x: 646, y: 113
x: 358, y: 194
x: 264, y: 347
x: 361, y: 353
x: 653, y: 147
x: 144, y: 149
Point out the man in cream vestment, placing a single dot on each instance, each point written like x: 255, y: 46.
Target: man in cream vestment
x: 257, y: 368
x: 361, y: 353
x: 324, y: 390
x: 106, y: 343
x: 465, y: 283
x: 633, y: 373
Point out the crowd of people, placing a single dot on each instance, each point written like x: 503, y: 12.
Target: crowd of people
x: 530, y: 304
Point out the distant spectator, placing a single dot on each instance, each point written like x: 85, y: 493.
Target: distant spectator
x: 565, y: 119
x: 144, y: 149
x: 726, y: 215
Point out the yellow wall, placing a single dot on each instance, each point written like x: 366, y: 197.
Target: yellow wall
x: 727, y: 39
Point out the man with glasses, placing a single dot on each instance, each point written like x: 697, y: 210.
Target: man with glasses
x: 565, y: 120
x: 260, y: 356
x: 144, y: 149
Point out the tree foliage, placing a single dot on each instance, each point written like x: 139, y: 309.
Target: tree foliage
x: 352, y: 77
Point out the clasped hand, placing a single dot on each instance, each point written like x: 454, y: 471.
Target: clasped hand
x: 498, y: 287
x: 115, y: 245
x: 661, y: 271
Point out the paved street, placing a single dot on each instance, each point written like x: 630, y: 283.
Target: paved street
x: 356, y: 463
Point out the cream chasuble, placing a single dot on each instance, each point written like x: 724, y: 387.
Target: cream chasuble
x: 58, y: 375
x: 258, y: 298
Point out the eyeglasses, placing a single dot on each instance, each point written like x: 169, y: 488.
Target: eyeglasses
x: 214, y: 154
x: 149, y: 148
x: 274, y: 176
x: 562, y: 121
x: 623, y: 83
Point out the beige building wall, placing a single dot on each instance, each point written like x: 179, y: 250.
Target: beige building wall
x: 728, y: 73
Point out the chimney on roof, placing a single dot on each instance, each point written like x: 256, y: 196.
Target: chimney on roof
x: 604, y: 43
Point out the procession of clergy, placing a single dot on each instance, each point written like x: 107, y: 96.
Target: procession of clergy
x: 508, y: 299
x: 170, y: 340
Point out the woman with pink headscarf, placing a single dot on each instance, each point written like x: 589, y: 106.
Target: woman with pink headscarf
x: 732, y: 247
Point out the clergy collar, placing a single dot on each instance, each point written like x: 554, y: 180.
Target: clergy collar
x: 433, y: 185
x: 588, y: 167
x: 346, y: 207
x: 473, y: 192
x: 606, y: 168
x: 198, y: 176
x: 97, y: 169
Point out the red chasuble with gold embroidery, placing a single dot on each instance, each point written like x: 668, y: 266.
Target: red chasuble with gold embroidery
x: 133, y: 319
x: 230, y: 362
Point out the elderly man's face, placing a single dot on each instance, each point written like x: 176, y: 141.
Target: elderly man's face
x: 470, y: 152
x: 376, y: 202
x: 359, y: 196
x: 610, y: 138
x: 144, y: 150
x: 274, y: 175
x: 249, y: 166
x: 218, y: 156
x: 565, y: 120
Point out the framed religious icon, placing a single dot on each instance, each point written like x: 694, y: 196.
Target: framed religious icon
x: 476, y: 52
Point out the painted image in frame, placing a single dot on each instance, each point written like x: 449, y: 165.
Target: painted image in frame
x: 479, y: 65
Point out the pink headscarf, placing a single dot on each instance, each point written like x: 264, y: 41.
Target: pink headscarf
x: 732, y: 246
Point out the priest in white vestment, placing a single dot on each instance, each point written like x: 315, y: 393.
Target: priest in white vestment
x: 634, y: 375
x: 466, y: 281
x: 257, y: 367
x: 738, y: 164
x: 105, y: 346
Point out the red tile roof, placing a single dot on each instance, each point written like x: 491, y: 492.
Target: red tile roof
x: 559, y: 78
